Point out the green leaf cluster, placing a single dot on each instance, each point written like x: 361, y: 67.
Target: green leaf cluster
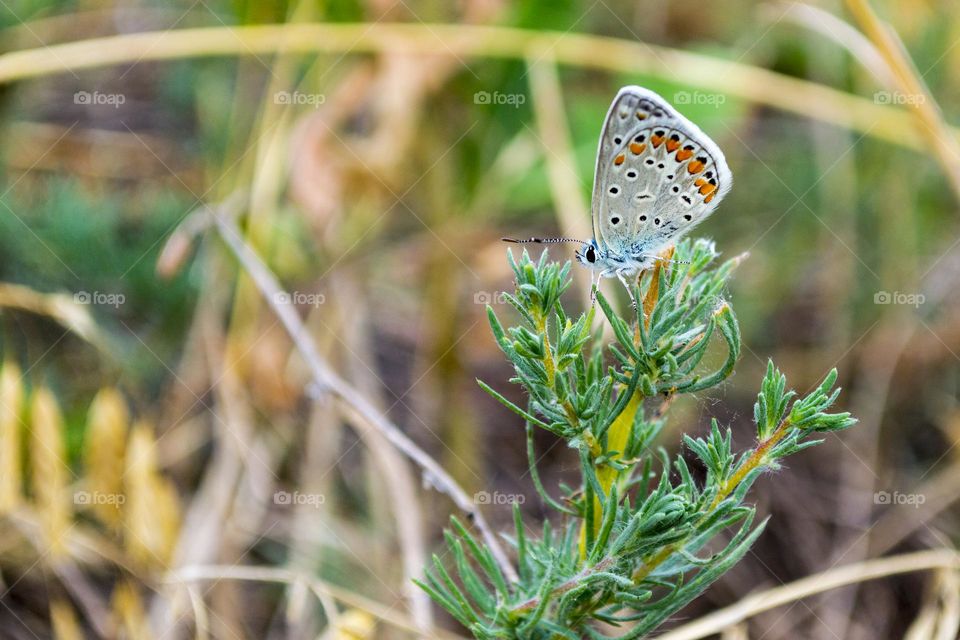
x: 640, y: 537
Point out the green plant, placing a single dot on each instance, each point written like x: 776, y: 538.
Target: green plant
x: 632, y: 546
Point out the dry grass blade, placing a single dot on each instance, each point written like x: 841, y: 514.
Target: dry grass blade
x: 553, y: 133
x: 169, y: 514
x: 932, y: 124
x: 580, y: 50
x: 328, y: 382
x: 151, y: 513
x: 841, y: 33
x: 65, y: 625
x: 128, y: 611
x: 50, y: 472
x: 355, y: 624
x: 894, y: 526
x: 57, y: 306
x: 407, y: 511
x: 736, y: 632
x: 831, y: 579
x: 939, y: 619
x: 197, y: 573
x: 106, y: 439
x: 11, y: 408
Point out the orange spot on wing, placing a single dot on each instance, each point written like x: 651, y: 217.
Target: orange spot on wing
x: 656, y: 140
x: 695, y: 167
x: 637, y: 149
x: 684, y: 154
x: 708, y: 199
x: 672, y: 145
x: 619, y: 159
x: 699, y: 182
x: 707, y: 189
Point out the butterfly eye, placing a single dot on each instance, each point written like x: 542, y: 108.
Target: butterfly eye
x: 591, y: 255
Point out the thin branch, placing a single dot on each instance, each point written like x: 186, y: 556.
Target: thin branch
x: 329, y: 382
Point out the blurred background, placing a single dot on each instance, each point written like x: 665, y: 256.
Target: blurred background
x: 167, y: 469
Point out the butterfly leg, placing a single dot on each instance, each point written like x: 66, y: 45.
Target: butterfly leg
x: 620, y: 276
x: 661, y: 259
x: 594, y: 286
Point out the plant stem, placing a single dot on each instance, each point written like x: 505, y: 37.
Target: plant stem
x: 754, y: 461
x: 561, y: 589
x: 757, y: 458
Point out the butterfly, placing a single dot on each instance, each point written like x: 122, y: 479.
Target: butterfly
x: 657, y: 177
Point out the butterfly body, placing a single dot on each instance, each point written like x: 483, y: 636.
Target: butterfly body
x: 657, y: 176
x: 632, y: 261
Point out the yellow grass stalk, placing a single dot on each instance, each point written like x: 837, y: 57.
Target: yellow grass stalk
x: 355, y: 624
x: 579, y: 50
x: 11, y: 408
x: 141, y: 536
x: 167, y: 510
x: 50, y: 471
x: 128, y: 612
x: 65, y: 625
x: 150, y: 511
x: 106, y: 439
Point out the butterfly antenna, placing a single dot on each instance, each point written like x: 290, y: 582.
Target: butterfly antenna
x: 543, y: 240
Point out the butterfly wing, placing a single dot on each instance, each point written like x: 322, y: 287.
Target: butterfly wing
x: 657, y: 176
